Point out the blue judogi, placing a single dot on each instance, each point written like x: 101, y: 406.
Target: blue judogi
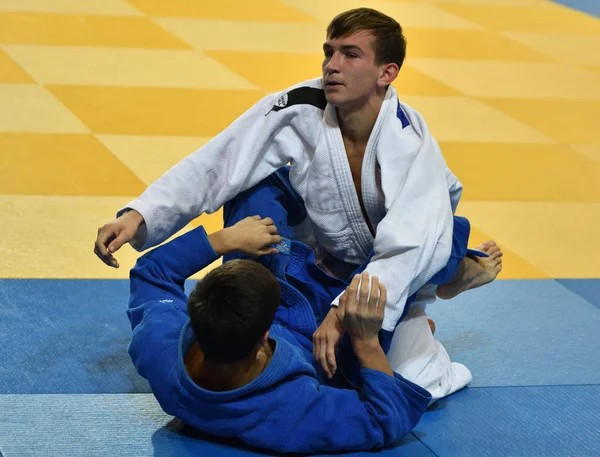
x: 288, y: 408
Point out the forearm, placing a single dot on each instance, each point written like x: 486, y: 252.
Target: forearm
x: 163, y: 271
x: 185, y: 255
x: 223, y: 242
x: 370, y: 355
x: 139, y: 222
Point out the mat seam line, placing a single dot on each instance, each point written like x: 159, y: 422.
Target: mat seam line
x: 420, y: 441
x: 535, y: 385
x: 575, y: 8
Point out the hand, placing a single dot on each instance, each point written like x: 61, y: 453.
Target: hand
x: 326, y: 340
x: 115, y: 234
x: 363, y: 311
x: 251, y: 236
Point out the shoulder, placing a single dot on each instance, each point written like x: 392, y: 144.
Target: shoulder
x: 307, y: 93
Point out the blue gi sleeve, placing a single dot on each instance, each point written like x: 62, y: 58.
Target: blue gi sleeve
x: 158, y: 304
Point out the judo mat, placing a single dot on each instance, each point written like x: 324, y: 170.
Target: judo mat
x: 66, y: 380
x: 99, y: 98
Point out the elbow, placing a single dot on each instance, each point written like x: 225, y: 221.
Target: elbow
x: 396, y: 429
x: 138, y: 277
x: 144, y: 270
x: 388, y: 426
x: 395, y: 421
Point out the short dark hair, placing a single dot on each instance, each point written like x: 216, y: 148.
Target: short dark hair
x: 390, y: 43
x: 231, y: 308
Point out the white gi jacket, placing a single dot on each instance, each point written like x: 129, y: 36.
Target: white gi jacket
x: 410, y: 210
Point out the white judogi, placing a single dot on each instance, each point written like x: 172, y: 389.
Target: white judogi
x: 410, y: 209
x: 411, y: 212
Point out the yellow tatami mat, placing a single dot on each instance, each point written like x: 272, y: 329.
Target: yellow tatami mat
x: 98, y: 99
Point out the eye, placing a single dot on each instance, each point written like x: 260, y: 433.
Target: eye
x: 351, y: 55
x: 328, y: 54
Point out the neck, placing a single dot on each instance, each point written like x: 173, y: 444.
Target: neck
x: 357, y: 122
x: 227, y: 376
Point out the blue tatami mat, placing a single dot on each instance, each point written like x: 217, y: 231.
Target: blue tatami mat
x: 71, y: 336
x: 518, y: 421
x: 520, y: 333
x: 118, y: 425
x: 515, y: 421
x: 65, y: 336
x: 588, y: 289
x: 585, y: 6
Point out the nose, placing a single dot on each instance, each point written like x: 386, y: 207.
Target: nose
x: 332, y: 65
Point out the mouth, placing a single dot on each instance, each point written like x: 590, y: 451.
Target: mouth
x: 332, y: 84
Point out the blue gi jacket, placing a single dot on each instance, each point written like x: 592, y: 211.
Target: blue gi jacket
x: 287, y: 408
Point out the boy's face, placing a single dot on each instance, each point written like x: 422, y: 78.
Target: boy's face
x: 350, y: 75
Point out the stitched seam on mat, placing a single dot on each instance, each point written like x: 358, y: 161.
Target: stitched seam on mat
x: 534, y: 385
x: 420, y: 441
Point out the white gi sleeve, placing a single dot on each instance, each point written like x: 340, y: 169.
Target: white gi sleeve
x: 250, y: 149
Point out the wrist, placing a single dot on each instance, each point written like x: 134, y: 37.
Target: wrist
x: 220, y: 242
x: 135, y: 216
x: 365, y: 347
x: 370, y: 355
x: 337, y: 315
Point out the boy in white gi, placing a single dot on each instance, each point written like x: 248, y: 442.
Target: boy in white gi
x: 370, y: 174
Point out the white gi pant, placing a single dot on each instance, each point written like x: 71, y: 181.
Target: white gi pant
x: 417, y: 356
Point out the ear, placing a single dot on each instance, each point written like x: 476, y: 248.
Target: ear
x: 388, y: 73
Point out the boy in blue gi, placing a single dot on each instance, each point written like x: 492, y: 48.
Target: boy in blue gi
x: 236, y: 359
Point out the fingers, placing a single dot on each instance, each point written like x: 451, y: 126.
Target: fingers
x: 364, y: 290
x: 267, y: 251
x: 377, y: 297
x: 330, y: 352
x: 382, y: 299
x: 105, y: 235
x: 105, y: 256
x: 119, y: 241
x: 351, y: 292
x: 267, y: 221
x: 268, y: 248
x: 374, y: 295
x: 113, y: 235
x: 325, y: 342
x: 322, y: 357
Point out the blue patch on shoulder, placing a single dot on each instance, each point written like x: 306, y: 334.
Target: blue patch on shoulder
x: 402, y: 116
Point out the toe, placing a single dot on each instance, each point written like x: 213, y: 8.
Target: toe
x: 486, y: 246
x: 494, y: 252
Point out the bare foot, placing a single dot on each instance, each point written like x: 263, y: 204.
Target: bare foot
x: 474, y: 271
